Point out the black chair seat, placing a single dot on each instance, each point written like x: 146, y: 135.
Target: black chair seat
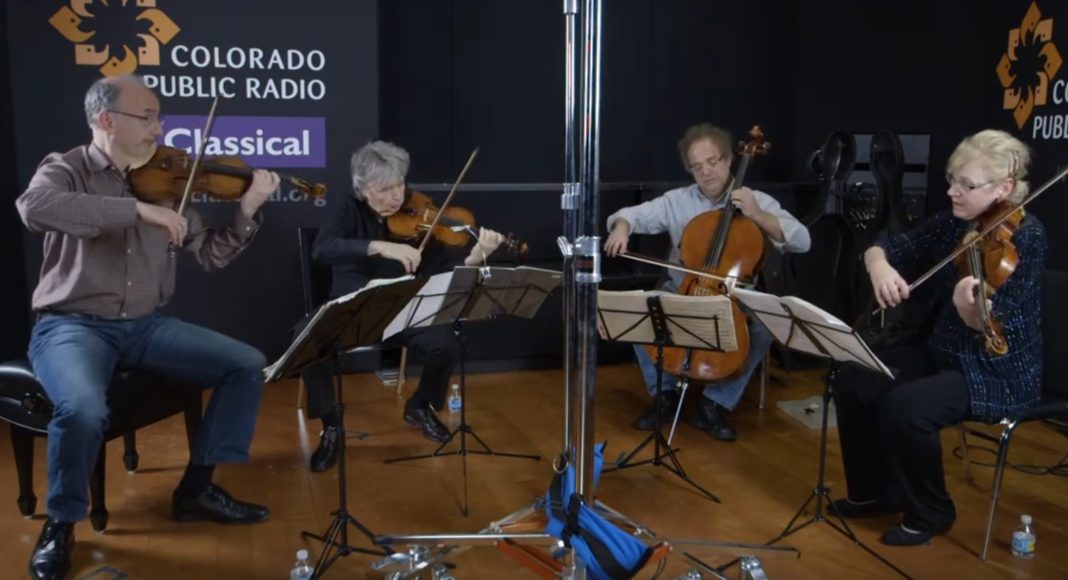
x: 136, y: 399
x: 1054, y: 403
x: 1051, y: 406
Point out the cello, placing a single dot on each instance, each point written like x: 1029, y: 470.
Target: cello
x: 726, y: 245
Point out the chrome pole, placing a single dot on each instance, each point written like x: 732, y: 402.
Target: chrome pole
x: 588, y: 249
x: 568, y: 205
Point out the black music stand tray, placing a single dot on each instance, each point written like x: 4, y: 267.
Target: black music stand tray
x: 471, y: 294
x: 801, y: 326
x: 665, y: 319
x: 349, y: 322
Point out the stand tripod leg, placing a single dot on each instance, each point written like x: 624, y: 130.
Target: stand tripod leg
x: 463, y: 429
x: 336, y: 539
x: 662, y: 447
x: 822, y: 493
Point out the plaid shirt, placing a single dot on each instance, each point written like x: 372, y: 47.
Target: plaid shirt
x: 99, y: 258
x: 998, y: 386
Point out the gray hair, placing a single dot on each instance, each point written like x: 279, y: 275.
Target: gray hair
x: 999, y: 155
x: 378, y: 162
x: 104, y: 95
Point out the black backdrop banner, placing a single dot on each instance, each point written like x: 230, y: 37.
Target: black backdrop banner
x: 299, y: 91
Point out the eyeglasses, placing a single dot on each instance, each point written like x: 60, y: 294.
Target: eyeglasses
x: 148, y: 120
x: 964, y: 185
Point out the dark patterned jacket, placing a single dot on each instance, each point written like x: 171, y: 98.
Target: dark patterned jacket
x: 998, y: 385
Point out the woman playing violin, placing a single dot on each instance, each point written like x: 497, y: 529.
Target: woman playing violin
x: 706, y: 154
x: 354, y: 241
x: 890, y: 428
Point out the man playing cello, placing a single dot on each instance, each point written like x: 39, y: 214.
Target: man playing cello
x: 706, y: 153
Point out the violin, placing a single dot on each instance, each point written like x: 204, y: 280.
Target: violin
x: 726, y: 245
x: 420, y: 216
x: 991, y: 259
x: 163, y: 177
x: 995, y: 258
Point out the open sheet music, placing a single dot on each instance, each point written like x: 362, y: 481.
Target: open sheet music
x: 692, y: 321
x: 468, y: 293
x: 341, y: 322
x: 823, y: 334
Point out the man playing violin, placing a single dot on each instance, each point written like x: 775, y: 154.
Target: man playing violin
x: 706, y: 153
x: 889, y: 429
x: 354, y: 241
x: 108, y: 269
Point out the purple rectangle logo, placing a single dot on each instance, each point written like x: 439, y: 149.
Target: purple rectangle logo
x: 259, y: 141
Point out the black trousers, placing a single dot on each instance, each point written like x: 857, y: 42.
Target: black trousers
x: 889, y: 432
x: 436, y: 345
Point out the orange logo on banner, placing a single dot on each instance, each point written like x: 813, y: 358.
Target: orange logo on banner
x: 1025, y: 90
x: 68, y: 20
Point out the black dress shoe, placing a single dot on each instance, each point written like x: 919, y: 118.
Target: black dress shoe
x: 51, y: 555
x: 214, y: 504
x: 425, y: 418
x: 712, y: 419
x: 326, y: 455
x: 899, y: 536
x: 647, y: 422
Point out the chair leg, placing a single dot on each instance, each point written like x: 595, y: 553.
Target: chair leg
x: 995, y: 493
x: 98, y: 514
x: 400, y: 369
x: 964, y: 453
x: 22, y: 444
x: 130, y: 458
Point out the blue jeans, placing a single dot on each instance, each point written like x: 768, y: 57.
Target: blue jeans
x: 726, y: 392
x: 74, y: 357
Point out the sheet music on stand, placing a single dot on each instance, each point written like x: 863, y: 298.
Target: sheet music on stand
x: 624, y: 317
x: 356, y: 319
x: 467, y: 293
x: 800, y: 325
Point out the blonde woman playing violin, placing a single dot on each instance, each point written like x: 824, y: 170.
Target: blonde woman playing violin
x: 889, y: 429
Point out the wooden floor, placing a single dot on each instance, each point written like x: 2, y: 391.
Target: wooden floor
x: 763, y: 479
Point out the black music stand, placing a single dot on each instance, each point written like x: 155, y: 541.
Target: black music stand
x: 664, y: 319
x: 352, y: 321
x: 801, y: 326
x: 471, y: 294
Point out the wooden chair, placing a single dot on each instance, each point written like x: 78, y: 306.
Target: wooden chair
x: 136, y: 399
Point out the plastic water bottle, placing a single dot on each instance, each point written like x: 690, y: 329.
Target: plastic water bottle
x: 1023, y: 539
x: 302, y: 570
x: 455, y: 401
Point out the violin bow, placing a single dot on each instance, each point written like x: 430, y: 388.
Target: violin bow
x: 448, y: 198
x: 730, y: 280
x: 963, y: 247
x: 200, y: 154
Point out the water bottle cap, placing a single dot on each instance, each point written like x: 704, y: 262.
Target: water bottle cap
x: 1025, y: 519
x: 456, y: 386
x: 302, y: 554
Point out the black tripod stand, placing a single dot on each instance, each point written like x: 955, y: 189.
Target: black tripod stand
x: 336, y: 539
x: 821, y: 493
x: 463, y: 429
x: 661, y: 447
x: 833, y: 340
